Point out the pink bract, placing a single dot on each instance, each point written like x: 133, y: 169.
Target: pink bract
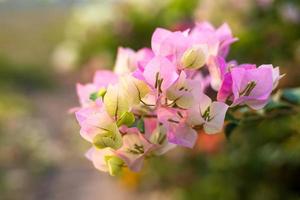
x: 161, y: 97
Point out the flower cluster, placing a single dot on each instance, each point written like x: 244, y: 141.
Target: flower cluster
x: 157, y: 98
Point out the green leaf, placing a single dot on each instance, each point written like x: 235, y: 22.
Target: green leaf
x: 231, y: 118
x: 274, y: 105
x: 229, y: 128
x: 292, y: 95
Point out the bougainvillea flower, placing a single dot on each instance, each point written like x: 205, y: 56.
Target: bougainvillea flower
x: 209, y: 114
x: 169, y: 44
x: 217, y: 69
x: 276, y: 74
x: 177, y: 47
x: 98, y: 128
x: 101, y: 80
x: 218, y: 40
x: 160, y: 73
x: 84, y: 92
x: 134, y: 149
x: 156, y: 99
x: 128, y: 60
x: 83, y: 113
x: 226, y: 38
x: 178, y: 131
x: 156, y: 133
x: 248, y: 85
x: 184, y: 91
x: 105, y: 160
x: 143, y: 56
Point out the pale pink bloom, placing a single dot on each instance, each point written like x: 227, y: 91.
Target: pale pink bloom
x: 185, y: 91
x: 177, y: 47
x: 83, y: 113
x: 97, y: 157
x: 160, y: 73
x: 143, y: 56
x: 248, y: 85
x: 157, y: 134
x: 217, y: 40
x: 226, y: 38
x: 102, y: 79
x: 209, y: 114
x: 125, y: 61
x: 94, y: 121
x: 275, y: 75
x: 204, y: 33
x: 178, y: 131
x: 128, y: 60
x: 84, y: 92
x: 169, y: 44
x: 195, y: 47
x: 135, y: 148
x: 217, y: 68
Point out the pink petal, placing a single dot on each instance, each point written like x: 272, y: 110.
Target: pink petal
x: 217, y: 114
x: 158, y: 37
x: 183, y: 136
x: 97, y: 156
x: 125, y: 61
x: 166, y: 70
x: 169, y: 44
x: 130, y: 139
x: 226, y: 88
x: 217, y: 69
x: 103, y: 78
x: 84, y: 92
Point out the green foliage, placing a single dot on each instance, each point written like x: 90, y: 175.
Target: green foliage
x: 131, y: 26
x: 23, y: 76
x: 292, y: 95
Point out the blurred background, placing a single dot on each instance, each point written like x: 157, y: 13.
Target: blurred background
x: 46, y: 46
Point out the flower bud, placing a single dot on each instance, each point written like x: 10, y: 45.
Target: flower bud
x: 98, y: 94
x: 109, y: 139
x: 114, y: 164
x: 195, y: 57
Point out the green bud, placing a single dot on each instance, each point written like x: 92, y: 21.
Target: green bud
x: 109, y: 139
x: 114, y: 164
x: 194, y: 58
x: 98, y: 94
x: 101, y: 92
x: 127, y: 118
